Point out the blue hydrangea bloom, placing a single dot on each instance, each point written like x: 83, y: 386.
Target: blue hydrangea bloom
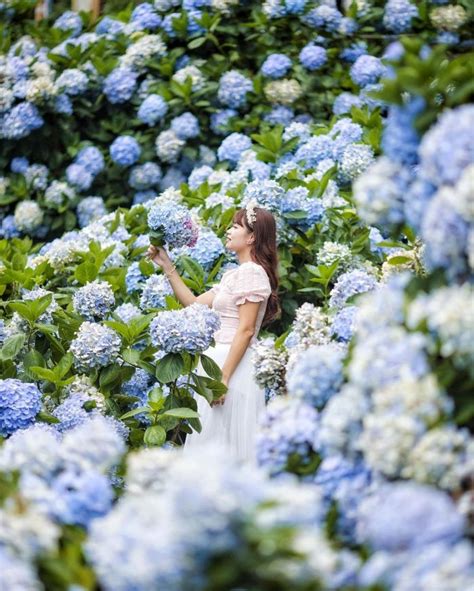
x: 153, y: 109
x: 288, y: 429
x: 344, y: 103
x: 134, y: 278
x: 95, y: 346
x: 17, y: 573
x: 276, y: 65
x: 36, y: 176
x: 79, y: 177
x: 348, y: 26
x: 145, y: 17
x: 394, y: 51
x: 8, y: 228
x: 280, y: 115
x: 400, y: 139
x: 343, y: 324
x: 81, y: 496
x: 109, y: 26
x: 350, y: 284
x: 125, y: 150
x: 20, y: 402
x: 233, y: 89
x: 186, y: 126
x: 91, y: 159
x: 447, y: 38
x: 139, y: 383
x: 154, y: 291
x: 21, y: 121
x: 380, y: 193
x: 316, y: 149
x: 367, y: 70
x: 424, y: 515
x: 190, y: 329
x: 120, y: 85
x: 346, y: 483
x: 354, y: 51
x: 63, y: 105
x: 385, y: 355
x: 19, y: 165
x: 174, y: 222
x: 71, y: 412
x: 445, y: 234
x: 398, y: 15
x: 90, y: 209
x: 317, y: 374
x: 220, y: 120
x: 69, y: 21
x: 207, y: 249
x: 72, y: 82
x: 313, y: 57
x: 198, y: 176
x: 324, y: 16
x: 145, y: 176
x: 232, y: 147
x: 447, y: 147
x: 267, y: 193
x: 127, y: 312
x: 94, y: 300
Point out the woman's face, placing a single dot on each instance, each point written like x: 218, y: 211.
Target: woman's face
x: 238, y: 238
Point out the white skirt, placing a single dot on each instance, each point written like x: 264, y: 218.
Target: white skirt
x: 232, y: 425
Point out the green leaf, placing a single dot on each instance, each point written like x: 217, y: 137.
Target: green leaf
x: 211, y: 367
x: 32, y: 358
x: 155, y: 435
x: 399, y: 260
x: 45, y: 417
x: 64, y: 365
x: 44, y: 373
x: 181, y: 413
x: 135, y: 412
x: 12, y: 347
x: 169, y: 368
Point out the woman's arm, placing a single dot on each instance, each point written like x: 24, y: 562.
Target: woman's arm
x: 248, y: 312
x: 182, y: 292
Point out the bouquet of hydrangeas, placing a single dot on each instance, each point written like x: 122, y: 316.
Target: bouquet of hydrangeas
x: 172, y: 224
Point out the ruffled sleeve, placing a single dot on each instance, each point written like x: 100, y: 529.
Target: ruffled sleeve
x: 251, y: 284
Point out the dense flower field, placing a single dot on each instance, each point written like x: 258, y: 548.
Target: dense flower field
x: 352, y: 122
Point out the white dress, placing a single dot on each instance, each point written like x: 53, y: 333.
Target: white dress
x: 233, y: 425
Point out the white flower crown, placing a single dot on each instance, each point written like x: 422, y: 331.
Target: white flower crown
x: 250, y: 212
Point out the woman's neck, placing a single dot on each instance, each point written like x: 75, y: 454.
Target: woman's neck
x: 244, y: 257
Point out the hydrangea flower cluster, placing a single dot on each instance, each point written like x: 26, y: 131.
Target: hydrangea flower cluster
x: 94, y: 300
x: 316, y: 374
x: 154, y: 291
x: 172, y: 223
x: 125, y: 150
x: 233, y: 89
x: 350, y: 284
x: 288, y: 428
x: 190, y: 329
x: 20, y: 402
x: 95, y: 346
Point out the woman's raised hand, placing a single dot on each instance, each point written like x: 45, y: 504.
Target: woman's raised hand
x: 158, y: 255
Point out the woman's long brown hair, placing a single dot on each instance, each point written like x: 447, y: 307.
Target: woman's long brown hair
x: 264, y: 252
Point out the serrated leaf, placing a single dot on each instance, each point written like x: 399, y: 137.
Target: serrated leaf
x: 169, y: 368
x: 211, y: 367
x: 182, y: 413
x: 154, y: 435
x: 134, y: 412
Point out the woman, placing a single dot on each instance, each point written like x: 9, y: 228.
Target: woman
x: 245, y: 298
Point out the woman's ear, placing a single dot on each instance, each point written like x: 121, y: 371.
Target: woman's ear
x: 251, y: 239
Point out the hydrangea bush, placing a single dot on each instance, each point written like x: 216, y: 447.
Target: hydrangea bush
x: 359, y: 143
